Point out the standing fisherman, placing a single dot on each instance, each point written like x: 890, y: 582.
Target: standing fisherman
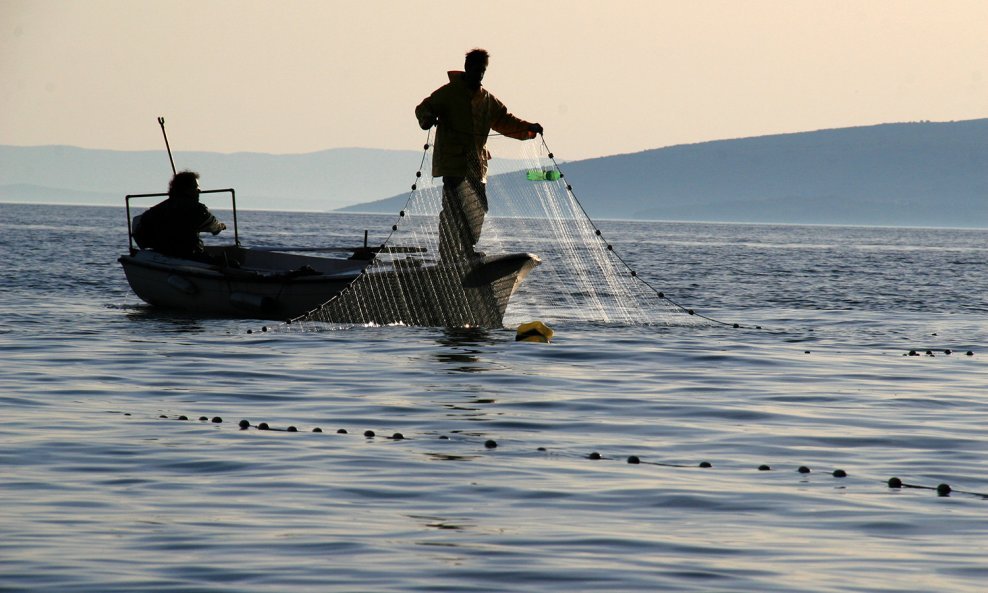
x: 465, y: 113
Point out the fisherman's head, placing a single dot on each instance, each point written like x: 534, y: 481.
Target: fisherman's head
x: 475, y: 66
x: 184, y: 185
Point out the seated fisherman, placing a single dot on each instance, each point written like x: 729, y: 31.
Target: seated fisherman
x: 173, y: 226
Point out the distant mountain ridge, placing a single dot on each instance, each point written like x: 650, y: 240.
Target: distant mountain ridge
x: 905, y: 174
x: 892, y: 174
x: 913, y: 174
x: 317, y: 181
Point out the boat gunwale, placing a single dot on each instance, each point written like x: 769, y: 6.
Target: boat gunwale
x: 214, y: 272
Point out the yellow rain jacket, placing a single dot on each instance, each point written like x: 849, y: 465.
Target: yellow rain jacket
x: 465, y: 118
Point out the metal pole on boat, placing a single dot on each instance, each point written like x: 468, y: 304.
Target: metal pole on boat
x: 161, y: 122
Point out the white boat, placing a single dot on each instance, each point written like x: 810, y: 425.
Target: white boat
x: 286, y: 283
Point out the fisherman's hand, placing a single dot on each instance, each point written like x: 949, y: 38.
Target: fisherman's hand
x: 535, y: 128
x: 222, y: 227
x: 427, y: 122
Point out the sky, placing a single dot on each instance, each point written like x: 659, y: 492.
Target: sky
x: 603, y: 78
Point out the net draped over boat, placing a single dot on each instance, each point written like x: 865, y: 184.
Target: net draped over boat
x: 532, y: 210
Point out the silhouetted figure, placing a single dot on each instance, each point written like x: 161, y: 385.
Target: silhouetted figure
x: 465, y: 113
x: 173, y: 226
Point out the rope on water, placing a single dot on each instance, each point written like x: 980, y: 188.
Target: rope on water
x: 893, y: 483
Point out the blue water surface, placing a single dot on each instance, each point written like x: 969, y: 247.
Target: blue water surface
x: 105, y: 489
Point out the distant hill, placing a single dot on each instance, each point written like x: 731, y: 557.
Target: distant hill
x: 318, y: 181
x: 913, y: 174
x: 906, y: 174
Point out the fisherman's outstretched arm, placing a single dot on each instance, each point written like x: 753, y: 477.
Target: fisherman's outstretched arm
x: 514, y: 127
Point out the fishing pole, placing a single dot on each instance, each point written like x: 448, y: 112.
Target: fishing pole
x: 161, y: 122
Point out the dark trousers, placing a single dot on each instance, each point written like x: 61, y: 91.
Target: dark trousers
x: 462, y: 216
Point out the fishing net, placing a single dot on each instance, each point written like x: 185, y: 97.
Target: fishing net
x: 427, y: 273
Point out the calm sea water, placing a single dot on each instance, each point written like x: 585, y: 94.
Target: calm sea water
x: 105, y: 489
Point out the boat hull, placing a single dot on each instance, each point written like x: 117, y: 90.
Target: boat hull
x: 283, y: 286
